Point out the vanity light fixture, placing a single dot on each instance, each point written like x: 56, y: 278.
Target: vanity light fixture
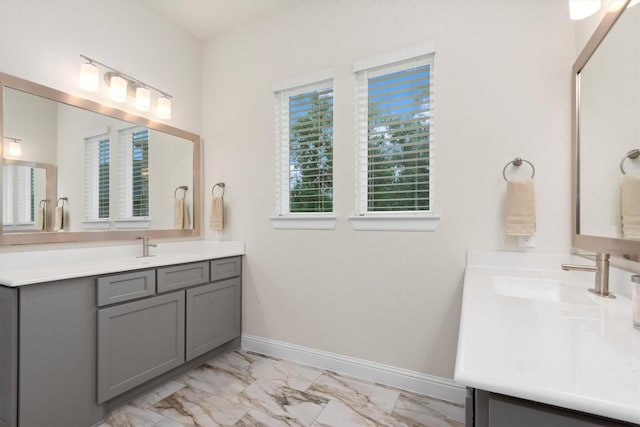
x: 164, y: 108
x: 143, y: 99
x: 633, y: 3
x: 118, y: 90
x: 89, y: 76
x: 122, y: 85
x: 15, y: 148
x: 580, y: 9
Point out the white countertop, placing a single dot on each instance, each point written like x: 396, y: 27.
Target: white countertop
x: 530, y: 330
x: 39, y: 266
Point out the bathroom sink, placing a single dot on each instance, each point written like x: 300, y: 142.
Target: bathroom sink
x: 538, y: 289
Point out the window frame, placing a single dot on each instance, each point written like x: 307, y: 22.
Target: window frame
x: 364, y: 219
x: 283, y: 91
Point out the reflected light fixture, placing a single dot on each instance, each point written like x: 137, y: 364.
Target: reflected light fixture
x: 122, y: 85
x: 580, y: 9
x: 15, y: 148
x: 164, y: 107
x: 89, y: 76
x: 633, y: 3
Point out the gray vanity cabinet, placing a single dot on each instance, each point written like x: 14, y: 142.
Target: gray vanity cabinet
x: 8, y: 356
x: 137, y: 341
x: 213, y: 315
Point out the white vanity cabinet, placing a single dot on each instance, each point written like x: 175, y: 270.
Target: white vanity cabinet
x: 72, y: 350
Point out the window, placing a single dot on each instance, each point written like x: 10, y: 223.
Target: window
x: 394, y: 141
x: 133, y: 176
x: 97, y: 163
x: 304, y: 154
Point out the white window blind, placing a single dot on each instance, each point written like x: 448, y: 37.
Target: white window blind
x: 18, y: 195
x: 304, y: 149
x: 97, y: 159
x: 133, y: 172
x: 394, y: 138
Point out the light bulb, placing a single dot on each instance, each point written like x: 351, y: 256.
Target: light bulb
x: 633, y: 3
x: 118, y: 91
x: 164, y: 108
x: 89, y: 76
x: 143, y: 99
x: 580, y: 9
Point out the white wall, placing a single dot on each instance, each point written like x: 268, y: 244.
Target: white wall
x: 42, y: 40
x: 503, y: 78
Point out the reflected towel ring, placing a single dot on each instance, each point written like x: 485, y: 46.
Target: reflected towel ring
x: 518, y: 162
x: 219, y: 184
x: 633, y: 154
x: 63, y: 199
x: 182, y: 187
x: 43, y: 202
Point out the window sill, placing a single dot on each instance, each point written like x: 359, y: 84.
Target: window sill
x: 128, y: 223
x: 304, y: 222
x: 398, y: 222
x: 96, y: 224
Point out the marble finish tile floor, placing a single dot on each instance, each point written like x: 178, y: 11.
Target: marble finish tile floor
x: 247, y: 389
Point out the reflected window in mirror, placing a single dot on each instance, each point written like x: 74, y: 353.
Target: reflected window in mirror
x: 133, y: 177
x: 18, y: 198
x: 97, y: 165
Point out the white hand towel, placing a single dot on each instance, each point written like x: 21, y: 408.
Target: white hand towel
x: 216, y: 221
x: 630, y: 207
x: 59, y: 219
x: 520, y: 212
x: 186, y: 217
x: 178, y: 214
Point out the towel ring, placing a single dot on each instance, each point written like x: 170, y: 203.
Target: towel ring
x: 518, y: 162
x: 63, y: 199
x: 219, y: 184
x: 182, y: 187
x: 43, y: 202
x: 633, y: 154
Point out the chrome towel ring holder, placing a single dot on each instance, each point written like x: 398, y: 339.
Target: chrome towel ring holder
x: 517, y: 162
x: 183, y: 188
x: 633, y: 154
x: 219, y: 184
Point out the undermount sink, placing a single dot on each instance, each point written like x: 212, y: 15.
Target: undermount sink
x: 533, y: 288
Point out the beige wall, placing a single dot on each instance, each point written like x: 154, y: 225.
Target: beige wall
x: 502, y: 90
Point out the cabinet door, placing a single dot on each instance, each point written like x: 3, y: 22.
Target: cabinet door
x: 8, y: 357
x: 138, y: 341
x: 213, y: 315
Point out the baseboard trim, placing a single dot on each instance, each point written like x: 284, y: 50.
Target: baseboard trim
x: 440, y: 388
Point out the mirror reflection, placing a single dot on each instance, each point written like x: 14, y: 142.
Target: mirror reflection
x: 609, y: 134
x: 111, y: 174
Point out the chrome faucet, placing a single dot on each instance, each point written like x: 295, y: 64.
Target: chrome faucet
x: 602, y: 274
x: 145, y: 246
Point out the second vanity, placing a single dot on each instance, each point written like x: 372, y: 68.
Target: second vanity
x: 537, y: 349
x: 84, y: 331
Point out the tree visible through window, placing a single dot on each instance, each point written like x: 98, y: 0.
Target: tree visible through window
x: 396, y: 138
x: 311, y: 152
x: 304, y: 140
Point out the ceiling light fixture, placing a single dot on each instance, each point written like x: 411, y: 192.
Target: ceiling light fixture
x: 580, y: 9
x: 122, y: 85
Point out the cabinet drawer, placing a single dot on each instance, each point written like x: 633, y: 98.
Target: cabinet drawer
x: 126, y: 287
x: 182, y: 276
x: 225, y: 268
x: 213, y: 315
x: 138, y: 341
